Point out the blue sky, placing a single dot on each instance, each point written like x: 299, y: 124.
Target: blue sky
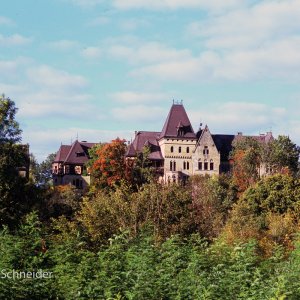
x: 102, y: 69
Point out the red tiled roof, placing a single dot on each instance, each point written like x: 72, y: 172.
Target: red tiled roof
x: 177, y: 120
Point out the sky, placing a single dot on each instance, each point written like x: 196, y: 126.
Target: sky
x: 98, y: 69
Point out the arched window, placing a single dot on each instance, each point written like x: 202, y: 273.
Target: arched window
x: 199, y: 164
x: 211, y: 164
x: 187, y: 149
x: 187, y: 165
x: 172, y: 149
x: 184, y: 165
x: 179, y: 149
x: 171, y: 165
x: 205, y: 165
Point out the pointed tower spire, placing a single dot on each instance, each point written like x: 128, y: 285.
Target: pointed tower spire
x: 177, y: 118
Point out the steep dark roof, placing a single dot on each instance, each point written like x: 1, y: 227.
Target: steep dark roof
x: 223, y: 143
x: 142, y: 139
x: 176, y: 121
x: 77, y: 153
x: 62, y: 153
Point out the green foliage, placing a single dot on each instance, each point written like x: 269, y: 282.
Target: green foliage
x: 9, y: 127
x: 278, y: 193
x: 282, y: 153
x: 60, y: 200
x: 25, y: 251
x: 142, y: 171
x: 17, y: 196
x: 44, y: 171
x: 213, y: 198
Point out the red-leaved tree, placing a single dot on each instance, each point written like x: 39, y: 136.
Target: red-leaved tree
x: 110, y: 168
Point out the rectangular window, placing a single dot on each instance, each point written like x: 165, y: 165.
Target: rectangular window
x: 206, y: 165
x: 200, y: 165
x: 211, y: 166
x: 188, y: 165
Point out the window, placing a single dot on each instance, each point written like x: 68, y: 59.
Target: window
x: 199, y: 164
x: 184, y: 165
x: 67, y: 169
x: 205, y: 150
x: 171, y: 165
x: 187, y: 149
x: 205, y: 165
x: 174, y: 166
x: 179, y: 149
x: 188, y: 165
x: 172, y: 149
x: 211, y: 165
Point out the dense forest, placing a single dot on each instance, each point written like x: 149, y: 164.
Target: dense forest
x: 234, y: 236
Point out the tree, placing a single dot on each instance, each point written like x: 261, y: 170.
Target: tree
x: 44, y: 175
x: 142, y: 170
x: 16, y: 194
x: 282, y: 154
x: 246, y: 157
x: 9, y: 127
x: 110, y: 167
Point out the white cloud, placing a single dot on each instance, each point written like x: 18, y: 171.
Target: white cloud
x: 139, y: 113
x: 91, y: 52
x: 190, y: 69
x: 86, y: 3
x: 14, y: 40
x: 11, y: 68
x: 102, y: 20
x: 251, y: 26
x: 131, y: 97
x: 133, y: 24
x: 147, y: 53
x: 47, y: 76
x: 63, y: 45
x: 248, y: 117
x: 6, y: 21
x: 176, y: 4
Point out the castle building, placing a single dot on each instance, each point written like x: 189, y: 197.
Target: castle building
x: 69, y: 167
x: 179, y: 152
x: 176, y: 152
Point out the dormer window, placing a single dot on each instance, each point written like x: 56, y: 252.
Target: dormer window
x: 78, y: 154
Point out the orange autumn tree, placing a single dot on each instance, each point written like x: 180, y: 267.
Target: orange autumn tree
x: 246, y: 158
x: 109, y: 167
